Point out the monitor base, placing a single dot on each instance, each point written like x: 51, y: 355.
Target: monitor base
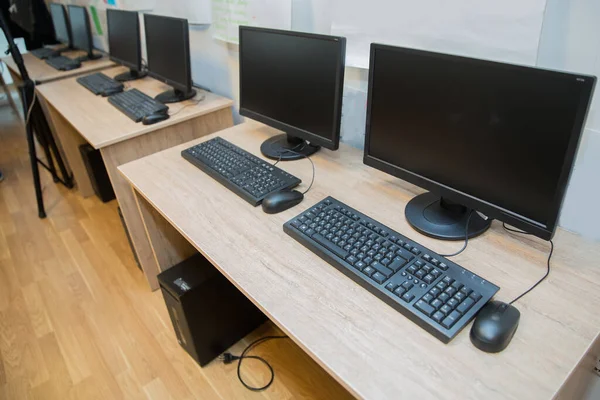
x: 89, y: 57
x: 287, y: 148
x: 174, y: 96
x: 131, y: 75
x: 443, y: 219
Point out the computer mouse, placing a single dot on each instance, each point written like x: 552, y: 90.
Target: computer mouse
x: 495, y: 326
x: 154, y: 118
x: 111, y: 91
x: 281, y: 201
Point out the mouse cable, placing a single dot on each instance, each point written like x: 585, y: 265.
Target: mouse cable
x: 228, y: 358
x: 466, y: 238
x: 312, y: 180
x: 198, y: 100
x: 548, y: 262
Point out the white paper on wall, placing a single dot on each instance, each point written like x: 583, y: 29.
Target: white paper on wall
x: 228, y: 15
x: 507, y: 30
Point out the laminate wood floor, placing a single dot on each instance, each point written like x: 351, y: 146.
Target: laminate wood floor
x: 77, y: 320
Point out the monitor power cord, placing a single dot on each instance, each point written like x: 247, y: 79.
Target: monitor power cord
x: 228, y: 358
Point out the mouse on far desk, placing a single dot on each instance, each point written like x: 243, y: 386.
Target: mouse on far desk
x: 495, y: 326
x: 154, y: 118
x: 281, y: 201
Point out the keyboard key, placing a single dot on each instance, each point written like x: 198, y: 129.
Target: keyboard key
x: 408, y: 285
x: 475, y: 296
x: 391, y: 286
x: 447, y: 280
x: 426, y: 257
x: 444, y: 297
x: 457, y: 285
x: 428, y: 278
x: 436, y: 304
x: 330, y: 246
x: 435, y: 292
x: 427, y: 298
x: 368, y: 270
x: 381, y: 269
x: 442, y: 266
x: 399, y: 291
x: 351, y: 260
x: 438, y: 316
x: 416, y: 251
x: 465, y: 305
x: 450, y: 291
x: 360, y: 265
x: 378, y: 277
x: 450, y: 320
x: 460, y: 297
x: 408, y: 297
x: 397, y: 263
x: 446, y: 309
x: 452, y: 303
x: 424, y: 308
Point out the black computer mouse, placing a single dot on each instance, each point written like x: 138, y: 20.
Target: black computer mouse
x: 495, y: 326
x: 281, y: 201
x: 154, y: 118
x: 110, y: 92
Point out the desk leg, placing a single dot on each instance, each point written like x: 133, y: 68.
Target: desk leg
x: 70, y: 140
x: 141, y: 146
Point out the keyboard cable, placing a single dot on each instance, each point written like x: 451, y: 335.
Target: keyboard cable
x: 228, y: 358
x: 312, y: 180
x: 466, y: 238
x: 198, y: 100
x: 547, y: 264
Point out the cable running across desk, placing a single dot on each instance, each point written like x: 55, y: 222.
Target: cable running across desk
x: 548, y: 263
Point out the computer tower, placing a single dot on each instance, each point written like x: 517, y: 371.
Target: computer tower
x: 97, y: 172
x: 209, y: 314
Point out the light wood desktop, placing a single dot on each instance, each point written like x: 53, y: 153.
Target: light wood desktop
x: 374, y: 351
x: 40, y: 72
x: 81, y: 117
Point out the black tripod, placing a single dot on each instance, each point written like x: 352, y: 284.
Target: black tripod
x: 35, y: 121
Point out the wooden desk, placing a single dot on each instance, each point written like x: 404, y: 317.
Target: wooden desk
x: 81, y: 117
x: 40, y: 72
x: 374, y: 351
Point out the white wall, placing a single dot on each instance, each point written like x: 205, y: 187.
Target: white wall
x: 570, y: 41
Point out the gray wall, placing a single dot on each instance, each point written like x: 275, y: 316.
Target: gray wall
x: 569, y: 41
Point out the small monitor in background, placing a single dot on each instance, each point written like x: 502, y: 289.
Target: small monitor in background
x: 167, y: 45
x: 81, y: 32
x: 62, y: 28
x: 481, y: 136
x: 293, y: 82
x: 124, y: 43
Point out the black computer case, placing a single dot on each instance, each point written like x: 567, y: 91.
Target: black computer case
x: 209, y: 314
x: 97, y: 172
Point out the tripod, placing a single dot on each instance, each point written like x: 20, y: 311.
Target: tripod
x: 35, y: 122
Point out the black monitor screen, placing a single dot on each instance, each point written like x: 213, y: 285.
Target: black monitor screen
x: 499, y: 133
x: 124, y: 37
x: 22, y: 14
x: 61, y: 25
x: 167, y: 44
x: 80, y: 28
x: 293, y: 82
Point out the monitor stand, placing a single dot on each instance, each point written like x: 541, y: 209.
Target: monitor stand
x: 174, y: 96
x: 443, y: 219
x: 286, y: 147
x: 131, y: 75
x: 89, y: 57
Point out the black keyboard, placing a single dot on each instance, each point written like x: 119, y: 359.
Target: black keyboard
x: 99, y: 83
x: 63, y: 63
x: 243, y: 173
x: 44, y: 53
x: 136, y: 105
x: 433, y: 292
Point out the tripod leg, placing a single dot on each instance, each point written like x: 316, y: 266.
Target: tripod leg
x: 43, y: 141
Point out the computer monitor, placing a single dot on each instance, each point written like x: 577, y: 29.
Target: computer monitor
x: 293, y: 81
x: 168, y: 48
x: 124, y: 43
x: 81, y: 32
x: 479, y: 135
x: 62, y: 28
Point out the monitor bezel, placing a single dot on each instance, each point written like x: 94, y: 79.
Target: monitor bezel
x: 67, y: 22
x: 138, y: 53
x: 87, y: 25
x: 544, y: 231
x: 187, y: 86
x: 331, y: 144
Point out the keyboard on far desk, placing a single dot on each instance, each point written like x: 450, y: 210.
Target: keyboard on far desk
x: 99, y: 83
x: 433, y: 292
x: 136, y: 105
x: 243, y: 173
x: 44, y: 53
x: 63, y: 63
